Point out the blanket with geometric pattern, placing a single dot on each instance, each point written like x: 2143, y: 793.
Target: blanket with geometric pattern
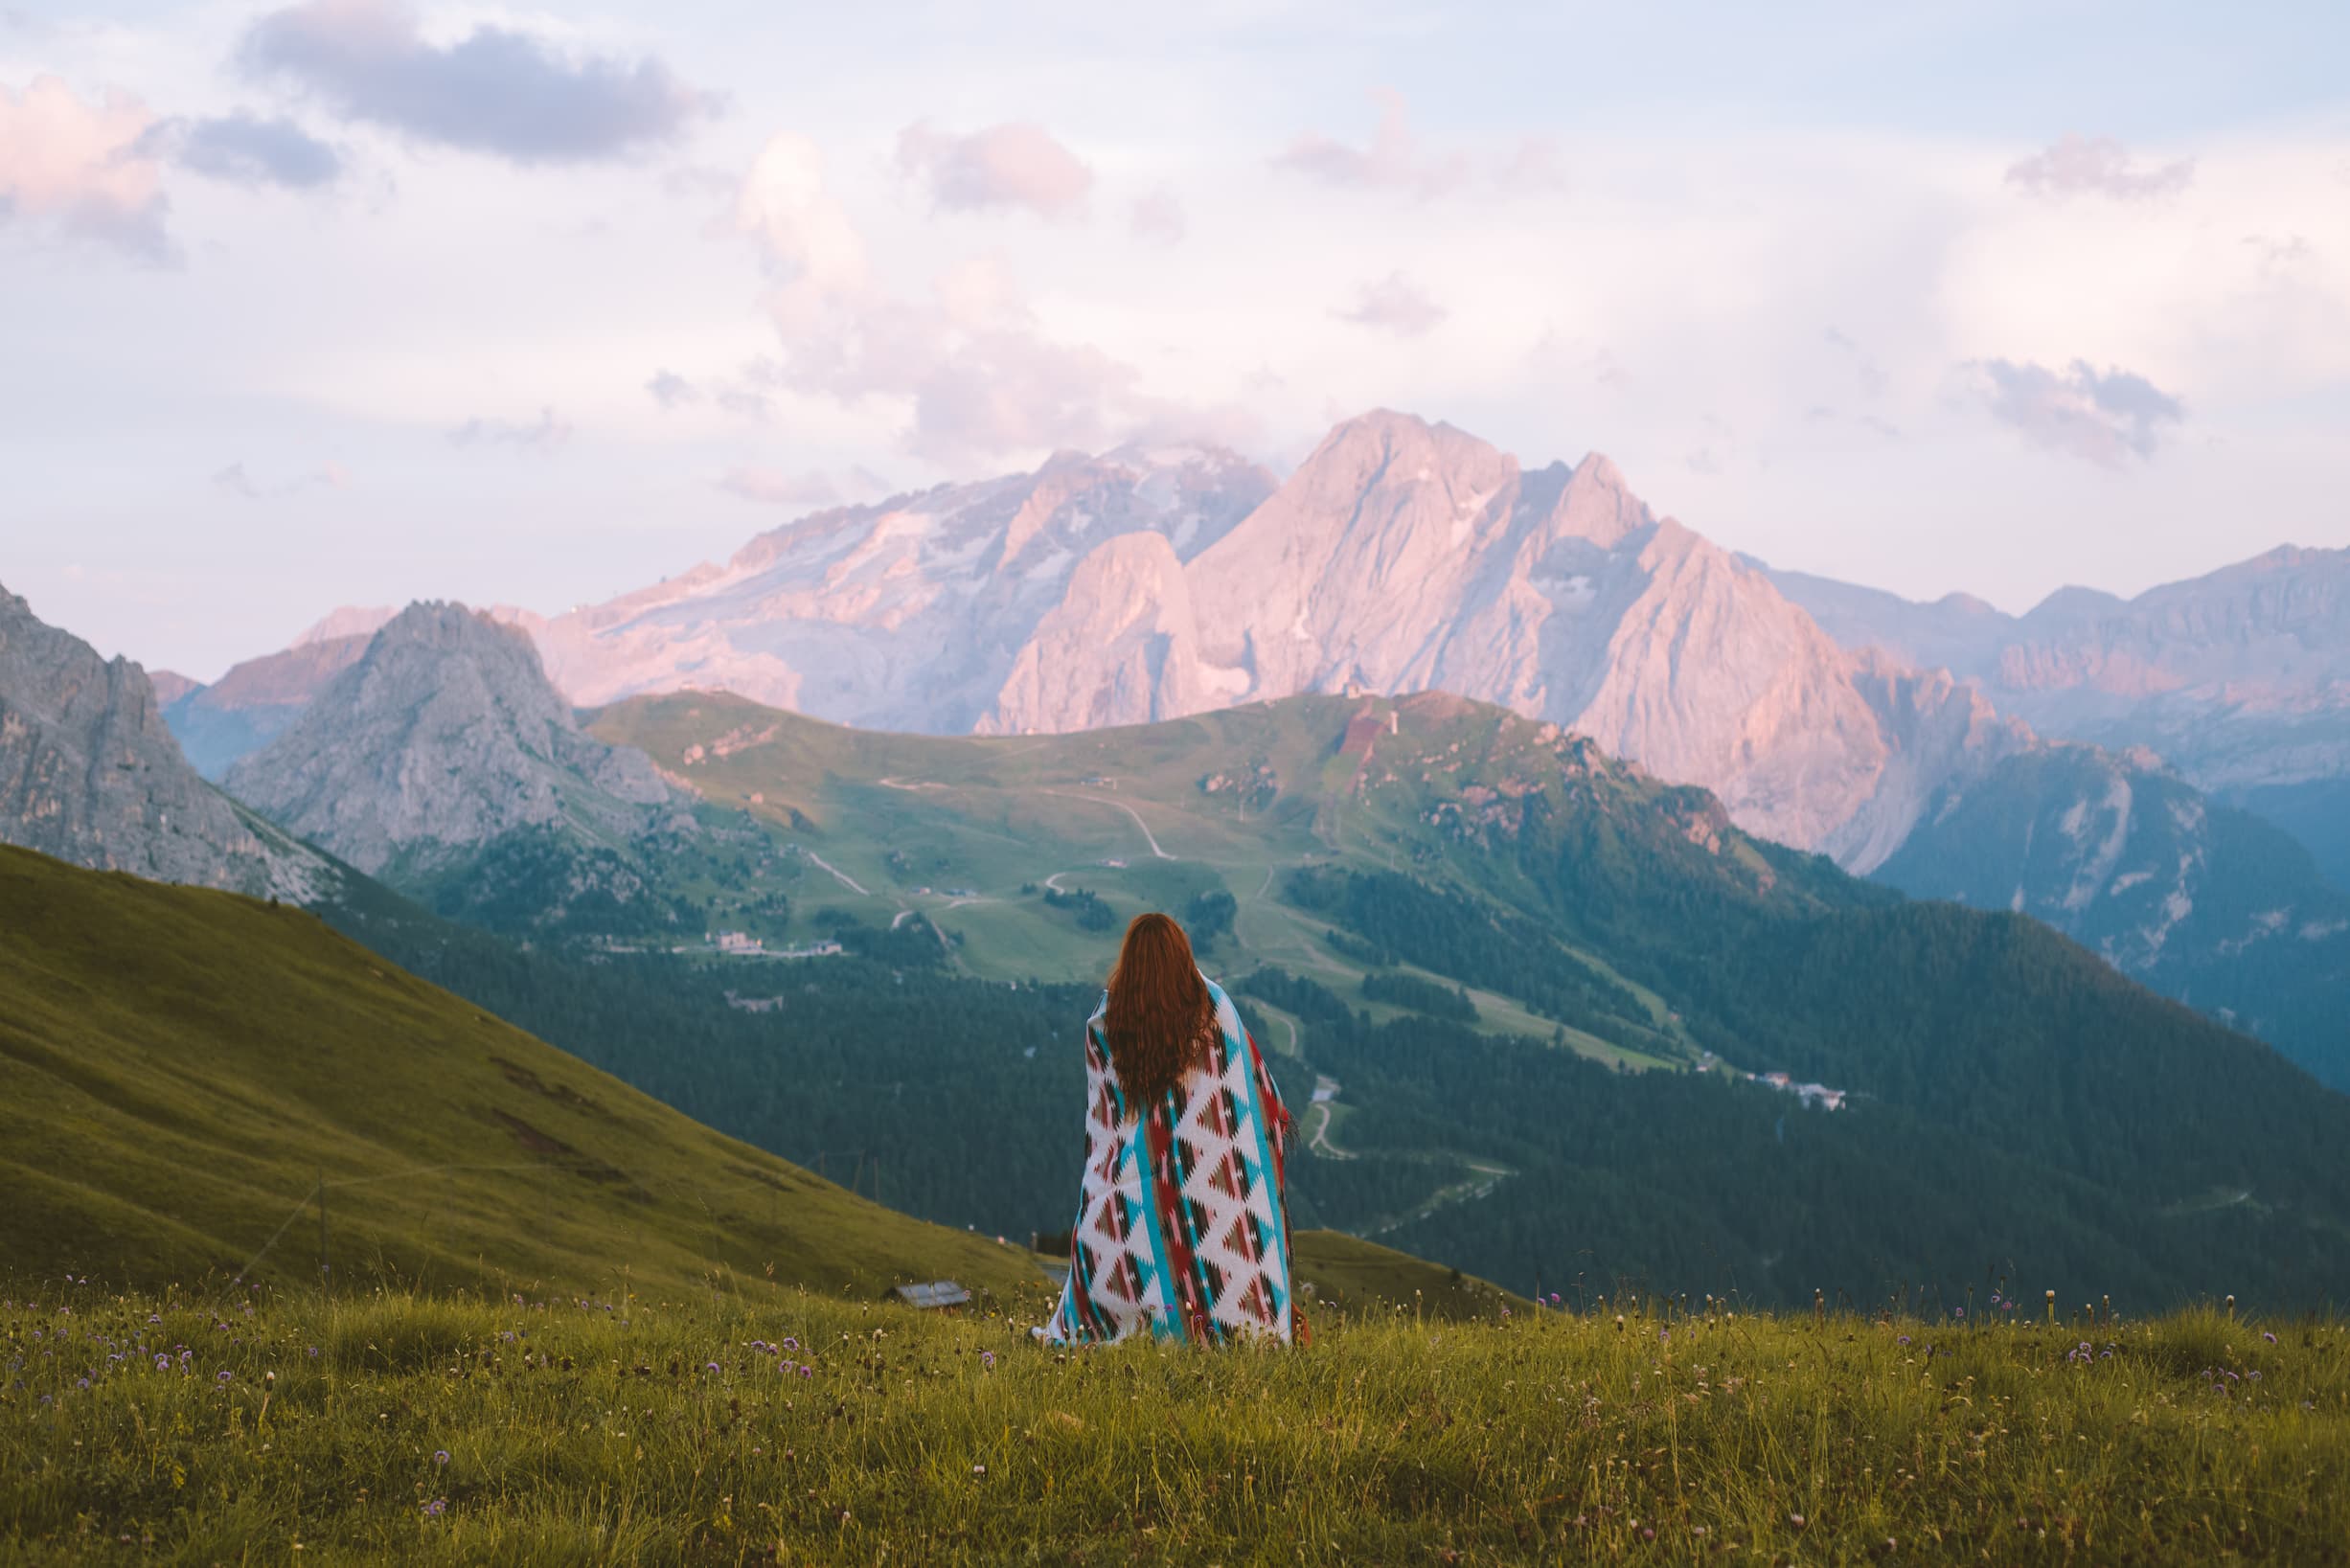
x: 1182, y: 1231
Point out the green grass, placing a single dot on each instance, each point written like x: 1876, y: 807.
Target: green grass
x: 487, y: 1430
x: 179, y: 1068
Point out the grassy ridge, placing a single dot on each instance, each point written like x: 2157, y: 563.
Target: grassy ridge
x: 179, y: 1067
x: 763, y: 1425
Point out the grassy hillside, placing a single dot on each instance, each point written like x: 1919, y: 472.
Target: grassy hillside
x: 762, y: 1424
x: 974, y: 835
x: 178, y: 1069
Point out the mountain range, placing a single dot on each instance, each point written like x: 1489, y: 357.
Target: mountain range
x: 2239, y: 679
x: 1153, y: 582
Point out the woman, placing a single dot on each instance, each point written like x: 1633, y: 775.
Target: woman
x: 1182, y: 1231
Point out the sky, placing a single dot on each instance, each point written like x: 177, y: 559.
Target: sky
x: 343, y: 302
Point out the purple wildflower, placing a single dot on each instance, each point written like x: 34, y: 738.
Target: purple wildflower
x: 2269, y: 1337
x: 1904, y: 1340
x: 807, y: 1372
x: 223, y: 1377
x: 440, y: 1456
x: 712, y: 1369
x: 790, y: 1344
x: 163, y: 1363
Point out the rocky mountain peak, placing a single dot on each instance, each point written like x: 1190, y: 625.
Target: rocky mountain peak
x: 89, y: 773
x: 444, y: 735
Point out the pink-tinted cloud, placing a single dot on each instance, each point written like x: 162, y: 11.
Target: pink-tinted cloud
x: 1394, y: 304
x: 2096, y: 166
x: 979, y: 379
x: 1011, y: 165
x: 76, y: 171
x: 1393, y: 159
x: 1158, y: 216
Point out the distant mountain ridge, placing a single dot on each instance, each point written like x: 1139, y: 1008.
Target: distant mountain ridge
x: 90, y: 775
x: 906, y: 614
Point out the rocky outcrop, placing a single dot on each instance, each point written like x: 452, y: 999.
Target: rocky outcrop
x: 441, y: 738
x: 89, y: 773
x: 1121, y: 647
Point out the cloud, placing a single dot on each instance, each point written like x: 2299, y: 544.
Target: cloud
x: 1393, y: 159
x: 805, y: 233
x: 670, y: 390
x: 494, y: 91
x: 769, y: 488
x: 1873, y: 377
x: 1703, y: 461
x: 976, y: 375
x: 2099, y: 165
x: 1396, y: 305
x: 2289, y: 251
x: 245, y: 150
x: 1534, y: 166
x: 2078, y: 412
x: 1158, y: 216
x: 545, y: 436
x: 1011, y: 165
x: 237, y: 482
x: 76, y: 171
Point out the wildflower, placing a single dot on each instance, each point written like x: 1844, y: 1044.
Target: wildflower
x: 163, y: 1363
x: 1958, y: 1312
x: 987, y: 1360
x: 314, y: 1352
x: 807, y: 1372
x: 222, y: 1377
x: 1902, y: 1340
x: 440, y: 1456
x: 979, y: 1469
x: 790, y: 1344
x: 1505, y: 1311
x: 1554, y: 1298
x: 85, y: 1382
x: 2269, y: 1337
x: 712, y: 1369
x: 436, y: 1507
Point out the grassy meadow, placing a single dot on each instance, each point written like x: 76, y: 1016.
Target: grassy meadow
x: 762, y: 1424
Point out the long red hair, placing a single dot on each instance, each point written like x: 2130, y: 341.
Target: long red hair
x: 1160, y: 1017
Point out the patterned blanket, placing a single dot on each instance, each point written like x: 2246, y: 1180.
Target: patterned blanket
x: 1183, y: 1229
